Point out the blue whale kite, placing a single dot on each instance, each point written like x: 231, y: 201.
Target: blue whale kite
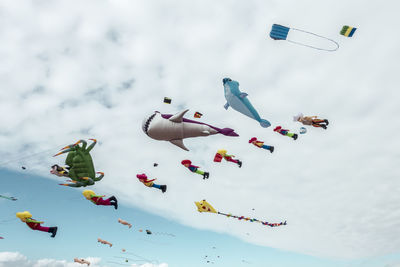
x: 239, y: 102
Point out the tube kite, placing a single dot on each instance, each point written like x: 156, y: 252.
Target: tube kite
x: 26, y: 217
x: 9, y: 198
x: 175, y: 128
x: 80, y: 165
x: 279, y: 32
x: 204, y: 206
x: 125, y: 223
x: 104, y: 242
x: 239, y: 102
x: 82, y: 261
x: 98, y: 200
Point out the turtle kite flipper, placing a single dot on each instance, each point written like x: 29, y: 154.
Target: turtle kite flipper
x: 96, y: 179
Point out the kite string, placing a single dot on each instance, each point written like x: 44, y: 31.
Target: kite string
x: 320, y: 36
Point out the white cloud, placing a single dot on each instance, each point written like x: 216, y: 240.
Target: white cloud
x: 98, y: 67
x: 16, y: 259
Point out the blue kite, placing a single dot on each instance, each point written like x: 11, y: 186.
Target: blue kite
x: 279, y: 32
x: 239, y: 102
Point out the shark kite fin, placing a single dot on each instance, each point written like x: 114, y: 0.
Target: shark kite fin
x: 179, y: 142
x: 178, y: 117
x: 243, y: 95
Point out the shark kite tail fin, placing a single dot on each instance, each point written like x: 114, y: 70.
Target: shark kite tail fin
x: 228, y: 132
x: 265, y: 123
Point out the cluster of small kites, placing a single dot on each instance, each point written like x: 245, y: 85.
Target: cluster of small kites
x: 80, y: 172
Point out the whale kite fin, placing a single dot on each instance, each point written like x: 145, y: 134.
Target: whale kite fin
x: 265, y: 123
x: 179, y: 142
x: 178, y: 117
x: 243, y: 95
x: 226, y: 106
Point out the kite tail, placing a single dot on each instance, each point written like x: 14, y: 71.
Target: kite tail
x: 228, y: 132
x: 265, y: 123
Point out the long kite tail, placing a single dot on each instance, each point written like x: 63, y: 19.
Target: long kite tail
x: 254, y: 220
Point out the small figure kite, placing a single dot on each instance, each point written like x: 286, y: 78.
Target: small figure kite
x: 311, y: 120
x: 98, y: 200
x: 260, y: 144
x: 348, y: 31
x: 9, y: 198
x: 26, y: 217
x: 239, y: 101
x: 175, y: 128
x: 222, y: 154
x: 80, y: 167
x: 104, y: 242
x: 82, y: 261
x: 279, y: 129
x: 188, y: 164
x: 204, y: 206
x: 125, y: 223
x: 279, y: 32
x: 150, y: 183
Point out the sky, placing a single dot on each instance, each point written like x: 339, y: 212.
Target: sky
x: 95, y: 69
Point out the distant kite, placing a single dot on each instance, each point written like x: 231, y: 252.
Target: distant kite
x: 167, y: 100
x: 9, y: 198
x: 104, y: 242
x: 204, y: 206
x: 348, y: 31
x: 279, y: 32
x: 197, y: 115
x: 82, y: 261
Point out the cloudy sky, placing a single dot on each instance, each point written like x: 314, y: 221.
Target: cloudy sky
x: 95, y: 69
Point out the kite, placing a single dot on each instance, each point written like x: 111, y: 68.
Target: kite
x: 279, y: 129
x: 104, y: 242
x: 98, y: 200
x: 9, y: 198
x: 239, y: 102
x: 150, y: 183
x: 82, y: 261
x: 80, y: 165
x: 167, y: 100
x: 1, y: 237
x: 148, y: 232
x: 26, y: 217
x: 222, y: 154
x: 204, y: 206
x: 311, y: 120
x: 155, y: 164
x: 175, y: 128
x: 24, y: 168
x: 188, y: 164
x: 197, y: 115
x: 303, y: 130
x: 260, y: 144
x: 348, y: 31
x: 279, y: 32
x: 125, y: 223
